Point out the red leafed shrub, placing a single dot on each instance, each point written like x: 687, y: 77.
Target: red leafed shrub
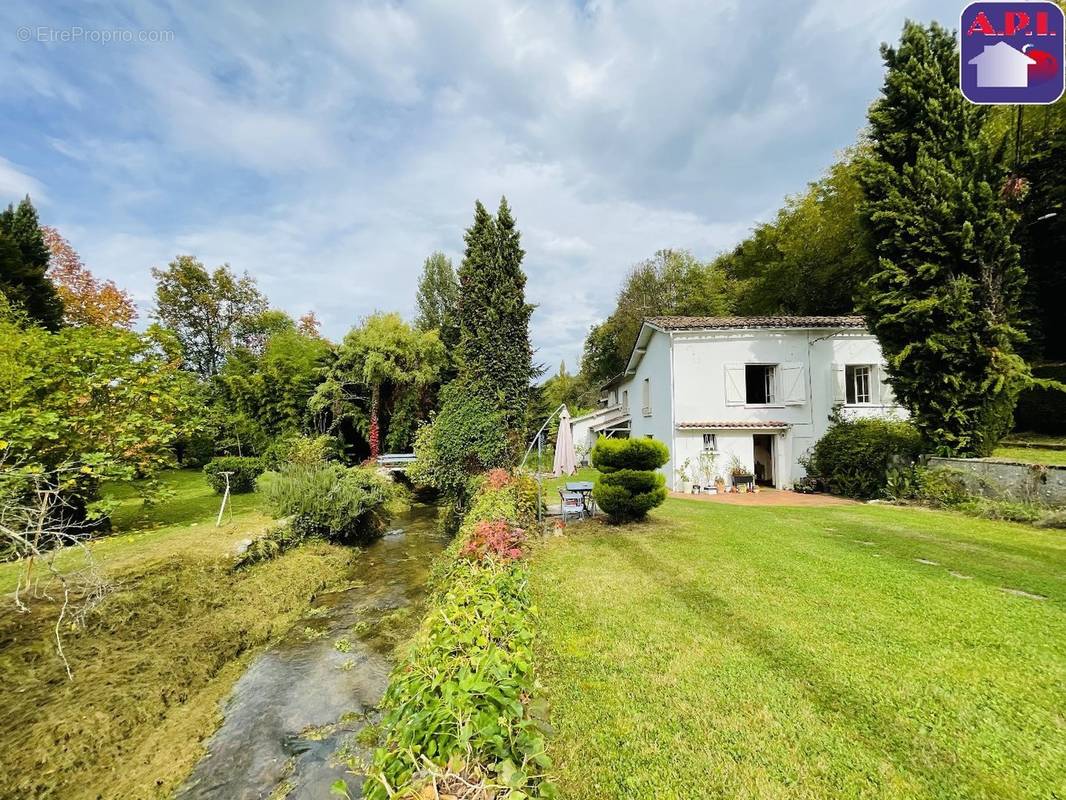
x: 497, y: 478
x: 499, y: 539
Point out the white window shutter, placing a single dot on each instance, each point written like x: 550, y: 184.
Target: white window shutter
x: 884, y: 390
x: 837, y: 384
x: 735, y: 392
x: 793, y: 385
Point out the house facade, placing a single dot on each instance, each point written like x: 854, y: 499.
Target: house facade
x: 756, y: 392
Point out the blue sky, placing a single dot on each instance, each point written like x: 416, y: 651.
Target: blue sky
x: 327, y: 148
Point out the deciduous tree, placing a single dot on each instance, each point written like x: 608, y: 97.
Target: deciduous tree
x: 86, y: 300
x: 209, y: 312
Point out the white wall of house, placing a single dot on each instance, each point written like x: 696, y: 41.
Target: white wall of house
x: 699, y: 377
x: 650, y: 396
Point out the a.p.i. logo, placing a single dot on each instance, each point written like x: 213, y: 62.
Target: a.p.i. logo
x: 1012, y: 52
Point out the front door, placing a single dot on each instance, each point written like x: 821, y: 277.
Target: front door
x: 764, y: 458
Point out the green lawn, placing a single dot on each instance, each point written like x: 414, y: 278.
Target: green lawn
x: 553, y: 485
x: 729, y: 651
x: 183, y: 522
x: 1030, y: 455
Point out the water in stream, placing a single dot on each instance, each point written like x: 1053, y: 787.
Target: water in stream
x: 295, y: 713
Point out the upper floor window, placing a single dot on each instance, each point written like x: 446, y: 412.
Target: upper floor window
x: 857, y: 384
x: 646, y: 397
x: 710, y: 442
x: 625, y: 400
x: 759, y: 383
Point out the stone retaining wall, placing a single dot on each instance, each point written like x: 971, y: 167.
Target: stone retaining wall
x: 1000, y: 479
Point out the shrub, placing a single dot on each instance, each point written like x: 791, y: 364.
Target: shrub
x: 498, y: 539
x: 853, y: 458
x: 299, y: 449
x: 628, y: 488
x: 468, y: 436
x: 943, y: 487
x: 348, y: 504
x: 245, y: 472
x: 609, y: 455
x: 270, y: 545
x: 463, y: 697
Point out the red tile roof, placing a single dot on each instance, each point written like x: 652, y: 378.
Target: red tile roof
x: 734, y: 424
x: 721, y: 323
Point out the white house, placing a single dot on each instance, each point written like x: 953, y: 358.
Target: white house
x: 1001, y: 66
x: 760, y: 390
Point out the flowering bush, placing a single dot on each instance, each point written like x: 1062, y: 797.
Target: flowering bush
x: 497, y: 478
x: 497, y: 539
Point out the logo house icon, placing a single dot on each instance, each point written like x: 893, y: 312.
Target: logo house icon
x: 1012, y: 52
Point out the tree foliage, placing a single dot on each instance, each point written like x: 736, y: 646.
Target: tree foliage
x: 495, y: 354
x: 812, y: 258
x: 24, y: 266
x: 104, y: 398
x: 211, y: 313
x: 944, y: 301
x: 273, y: 388
x: 381, y: 368
x: 438, y: 299
x: 671, y: 282
x: 86, y: 300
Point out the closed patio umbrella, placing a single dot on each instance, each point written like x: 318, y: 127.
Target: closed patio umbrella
x: 565, y: 458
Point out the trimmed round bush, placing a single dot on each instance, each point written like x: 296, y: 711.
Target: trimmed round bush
x: 610, y: 455
x: 628, y: 486
x: 245, y: 472
x: 853, y: 458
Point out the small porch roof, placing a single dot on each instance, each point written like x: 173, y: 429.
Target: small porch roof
x: 735, y: 425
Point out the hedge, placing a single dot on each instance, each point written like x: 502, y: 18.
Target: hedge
x: 461, y: 701
x: 245, y: 472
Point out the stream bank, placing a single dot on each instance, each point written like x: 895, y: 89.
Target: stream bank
x: 294, y: 716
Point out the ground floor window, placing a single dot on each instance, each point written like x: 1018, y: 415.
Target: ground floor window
x: 710, y: 442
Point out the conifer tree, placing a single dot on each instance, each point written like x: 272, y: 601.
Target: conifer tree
x: 944, y: 299
x: 23, y: 264
x: 494, y: 348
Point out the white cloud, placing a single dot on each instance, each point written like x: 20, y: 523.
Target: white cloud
x: 328, y: 153
x: 14, y: 183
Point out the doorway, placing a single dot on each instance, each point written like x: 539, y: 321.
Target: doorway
x: 764, y: 458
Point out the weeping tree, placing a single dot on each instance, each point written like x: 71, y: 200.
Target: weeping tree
x: 945, y: 296
x: 384, y: 354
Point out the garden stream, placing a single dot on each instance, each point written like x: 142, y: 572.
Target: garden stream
x: 293, y: 717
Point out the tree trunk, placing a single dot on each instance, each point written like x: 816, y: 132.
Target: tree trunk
x: 375, y: 431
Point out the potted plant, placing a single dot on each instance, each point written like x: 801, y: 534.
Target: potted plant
x: 740, y: 474
x: 708, y: 469
x: 684, y: 474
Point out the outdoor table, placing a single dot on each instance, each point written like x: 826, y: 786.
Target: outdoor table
x: 584, y: 488
x: 744, y: 480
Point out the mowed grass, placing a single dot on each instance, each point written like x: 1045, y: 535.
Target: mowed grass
x: 153, y: 662
x: 183, y: 522
x: 730, y: 651
x: 1030, y: 455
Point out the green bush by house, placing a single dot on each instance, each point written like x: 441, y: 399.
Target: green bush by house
x: 330, y: 501
x: 854, y: 457
x: 245, y: 472
x: 463, y: 700
x: 628, y: 486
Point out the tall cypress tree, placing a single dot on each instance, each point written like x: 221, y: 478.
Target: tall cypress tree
x: 494, y: 348
x: 23, y: 264
x: 944, y: 300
